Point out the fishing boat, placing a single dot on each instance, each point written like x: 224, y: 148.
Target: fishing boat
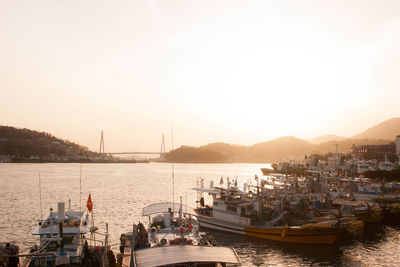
x: 172, y: 239
x: 62, y: 233
x: 363, y: 167
x: 63, y: 240
x: 241, y: 212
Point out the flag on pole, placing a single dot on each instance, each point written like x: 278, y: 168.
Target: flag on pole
x: 89, y: 204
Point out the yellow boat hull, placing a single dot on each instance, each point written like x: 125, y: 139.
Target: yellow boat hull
x: 296, y: 235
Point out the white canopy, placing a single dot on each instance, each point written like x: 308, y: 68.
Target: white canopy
x: 212, y: 191
x: 163, y: 208
x: 160, y: 256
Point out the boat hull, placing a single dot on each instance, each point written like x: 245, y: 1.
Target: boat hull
x: 294, y: 235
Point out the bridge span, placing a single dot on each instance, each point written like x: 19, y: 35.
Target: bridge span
x: 132, y: 153
x: 161, y: 153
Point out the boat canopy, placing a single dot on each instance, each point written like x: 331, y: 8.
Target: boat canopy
x: 218, y: 191
x: 169, y: 255
x: 213, y: 191
x: 163, y: 208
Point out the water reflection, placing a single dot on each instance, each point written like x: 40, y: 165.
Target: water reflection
x: 261, y: 252
x: 379, y: 247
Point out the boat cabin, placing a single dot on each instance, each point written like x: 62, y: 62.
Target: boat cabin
x: 62, y: 233
x: 231, y: 205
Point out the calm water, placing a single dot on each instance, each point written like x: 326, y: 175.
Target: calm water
x: 120, y: 191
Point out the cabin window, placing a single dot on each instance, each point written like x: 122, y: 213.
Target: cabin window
x: 230, y: 208
x: 68, y: 239
x: 243, y: 211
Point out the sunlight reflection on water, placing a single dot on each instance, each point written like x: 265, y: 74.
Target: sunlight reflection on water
x: 120, y: 191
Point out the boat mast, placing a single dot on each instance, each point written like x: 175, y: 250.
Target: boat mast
x: 80, y: 187
x: 173, y: 171
x: 92, y: 220
x: 40, y: 195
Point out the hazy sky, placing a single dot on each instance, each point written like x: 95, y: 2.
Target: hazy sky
x: 241, y: 72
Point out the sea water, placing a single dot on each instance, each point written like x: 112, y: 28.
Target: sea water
x: 120, y: 191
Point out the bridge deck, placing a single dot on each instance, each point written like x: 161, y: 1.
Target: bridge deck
x: 127, y: 153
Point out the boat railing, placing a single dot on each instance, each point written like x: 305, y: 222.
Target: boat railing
x: 29, y: 257
x: 175, y: 230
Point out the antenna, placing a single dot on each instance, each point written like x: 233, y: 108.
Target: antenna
x: 40, y: 193
x: 173, y: 171
x: 80, y: 183
x: 92, y: 219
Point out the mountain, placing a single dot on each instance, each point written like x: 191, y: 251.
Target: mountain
x: 345, y: 146
x: 286, y: 148
x: 387, y: 130
x: 188, y: 154
x: 24, y: 145
x: 282, y: 148
x: 326, y: 138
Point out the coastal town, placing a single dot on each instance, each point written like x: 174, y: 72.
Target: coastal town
x: 361, y: 160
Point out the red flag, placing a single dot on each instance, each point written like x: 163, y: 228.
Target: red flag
x: 89, y: 204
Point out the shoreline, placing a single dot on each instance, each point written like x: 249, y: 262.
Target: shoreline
x: 78, y: 161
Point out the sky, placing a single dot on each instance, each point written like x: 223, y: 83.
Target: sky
x: 240, y: 72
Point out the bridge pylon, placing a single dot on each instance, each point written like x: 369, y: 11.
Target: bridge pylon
x: 163, y: 150
x: 101, y: 149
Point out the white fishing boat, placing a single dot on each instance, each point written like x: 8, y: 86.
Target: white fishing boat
x: 172, y: 239
x: 363, y: 167
x: 62, y: 236
x: 386, y: 166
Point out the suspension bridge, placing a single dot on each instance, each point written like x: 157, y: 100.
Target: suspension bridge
x: 161, y: 153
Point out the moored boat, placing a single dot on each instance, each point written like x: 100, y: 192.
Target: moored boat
x: 62, y: 233
x: 172, y: 239
x: 241, y: 212
x: 63, y: 240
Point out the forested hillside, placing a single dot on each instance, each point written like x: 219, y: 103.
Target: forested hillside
x: 25, y: 144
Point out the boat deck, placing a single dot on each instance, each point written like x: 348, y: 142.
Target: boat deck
x: 179, y: 254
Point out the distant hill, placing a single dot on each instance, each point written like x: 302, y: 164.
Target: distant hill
x: 346, y: 145
x: 387, y: 130
x: 271, y: 151
x: 188, y: 154
x: 23, y: 145
x: 286, y: 148
x: 326, y: 138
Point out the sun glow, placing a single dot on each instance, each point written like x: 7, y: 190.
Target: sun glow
x: 240, y: 72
